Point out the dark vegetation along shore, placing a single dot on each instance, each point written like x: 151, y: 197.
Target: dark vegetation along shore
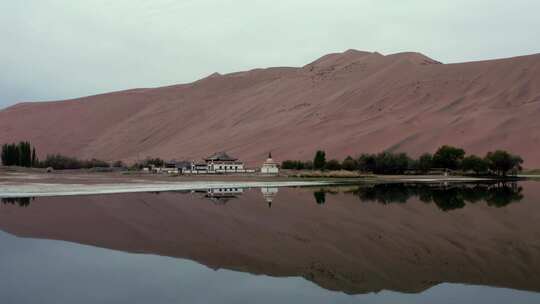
x: 446, y: 159
x: 23, y: 154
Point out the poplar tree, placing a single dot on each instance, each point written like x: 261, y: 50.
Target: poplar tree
x: 320, y: 160
x: 34, y: 158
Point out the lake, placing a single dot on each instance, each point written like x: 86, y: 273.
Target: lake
x: 369, y: 243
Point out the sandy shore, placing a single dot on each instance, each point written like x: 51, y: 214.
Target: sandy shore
x: 44, y: 189
x: 33, y: 183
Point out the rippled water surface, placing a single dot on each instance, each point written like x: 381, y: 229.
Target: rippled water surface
x: 386, y: 243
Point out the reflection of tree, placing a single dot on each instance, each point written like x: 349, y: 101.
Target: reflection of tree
x: 502, y: 196
x: 446, y: 197
x: 475, y: 193
x: 21, y: 201
x: 385, y: 193
x: 320, y: 197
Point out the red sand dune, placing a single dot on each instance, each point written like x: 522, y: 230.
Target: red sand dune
x: 345, y: 103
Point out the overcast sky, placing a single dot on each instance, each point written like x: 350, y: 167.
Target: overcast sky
x: 58, y: 49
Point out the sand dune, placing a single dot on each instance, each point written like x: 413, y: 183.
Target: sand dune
x: 345, y: 103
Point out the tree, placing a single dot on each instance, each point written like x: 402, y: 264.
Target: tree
x: 25, y: 154
x: 349, y: 164
x: 367, y: 162
x: 5, y: 155
x: 287, y: 164
x: 501, y: 162
x: 448, y: 157
x: 10, y: 155
x: 61, y: 162
x: 401, y: 162
x: 308, y: 165
x: 292, y: 165
x: 475, y: 164
x: 118, y: 164
x: 320, y: 197
x: 20, y: 154
x: 390, y: 163
x: 158, y: 162
x: 320, y: 160
x: 332, y: 164
x: 34, y: 158
x: 94, y: 163
x: 425, y: 162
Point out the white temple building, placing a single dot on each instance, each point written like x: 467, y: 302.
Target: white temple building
x: 270, y: 166
x: 221, y: 162
x: 218, y: 163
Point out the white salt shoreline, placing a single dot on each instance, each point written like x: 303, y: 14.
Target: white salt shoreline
x: 13, y: 189
x: 48, y: 189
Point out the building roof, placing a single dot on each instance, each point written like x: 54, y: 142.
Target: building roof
x: 221, y: 156
x: 270, y: 164
x: 178, y: 164
x: 270, y: 161
x: 183, y: 164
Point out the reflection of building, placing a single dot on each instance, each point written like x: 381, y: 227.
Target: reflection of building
x: 269, y: 193
x: 223, y: 195
x: 270, y: 166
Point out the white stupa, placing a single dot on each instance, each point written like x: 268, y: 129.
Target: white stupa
x: 270, y: 166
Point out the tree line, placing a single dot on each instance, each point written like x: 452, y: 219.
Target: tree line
x: 61, y: 162
x: 24, y: 154
x: 21, y: 154
x: 446, y: 158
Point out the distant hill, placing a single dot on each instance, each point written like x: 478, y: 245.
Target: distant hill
x: 345, y: 103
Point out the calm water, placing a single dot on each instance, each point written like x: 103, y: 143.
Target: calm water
x: 390, y: 243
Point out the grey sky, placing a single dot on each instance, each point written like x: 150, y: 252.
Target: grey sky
x: 57, y: 49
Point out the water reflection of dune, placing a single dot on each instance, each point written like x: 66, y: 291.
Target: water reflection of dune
x: 342, y: 244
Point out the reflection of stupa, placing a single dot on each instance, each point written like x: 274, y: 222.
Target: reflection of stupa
x: 269, y: 193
